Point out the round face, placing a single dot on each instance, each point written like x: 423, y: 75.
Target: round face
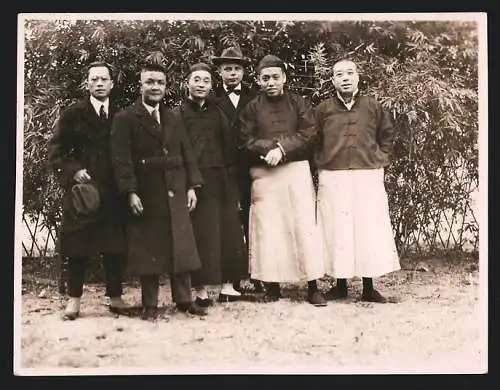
x: 345, y: 77
x: 153, y: 85
x: 199, y: 84
x: 272, y: 80
x: 231, y: 74
x: 99, y: 82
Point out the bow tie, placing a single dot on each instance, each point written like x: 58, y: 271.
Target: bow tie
x: 235, y: 91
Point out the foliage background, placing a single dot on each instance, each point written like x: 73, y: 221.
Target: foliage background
x: 424, y: 73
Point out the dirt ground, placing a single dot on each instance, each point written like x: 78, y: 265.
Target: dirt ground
x: 437, y: 325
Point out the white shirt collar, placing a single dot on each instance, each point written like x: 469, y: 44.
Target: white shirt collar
x: 151, y: 108
x: 97, y: 105
x: 351, y: 103
x: 238, y: 87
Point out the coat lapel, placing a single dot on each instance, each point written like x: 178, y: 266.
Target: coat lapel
x: 147, y: 121
x: 89, y: 113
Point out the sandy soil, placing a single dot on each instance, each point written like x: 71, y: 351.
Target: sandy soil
x: 437, y: 326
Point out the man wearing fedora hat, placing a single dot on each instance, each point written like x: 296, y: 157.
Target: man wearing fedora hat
x: 277, y: 129
x: 232, y: 96
x: 92, y: 224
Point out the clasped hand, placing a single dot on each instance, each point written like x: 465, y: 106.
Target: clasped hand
x: 273, y: 157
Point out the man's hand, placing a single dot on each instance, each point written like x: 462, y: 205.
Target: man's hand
x: 135, y: 204
x: 274, y: 156
x: 191, y: 199
x: 82, y: 176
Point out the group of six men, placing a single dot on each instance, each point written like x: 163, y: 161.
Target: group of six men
x: 220, y: 187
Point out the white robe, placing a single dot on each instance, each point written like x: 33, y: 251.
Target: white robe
x: 285, y: 242
x: 353, y: 214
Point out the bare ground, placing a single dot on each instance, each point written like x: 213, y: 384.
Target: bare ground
x: 437, y: 326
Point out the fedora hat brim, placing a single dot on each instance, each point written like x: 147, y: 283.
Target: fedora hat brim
x: 229, y: 60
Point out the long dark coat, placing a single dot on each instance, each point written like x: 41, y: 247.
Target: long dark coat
x: 243, y: 178
x: 215, y: 220
x: 158, y: 164
x: 81, y: 140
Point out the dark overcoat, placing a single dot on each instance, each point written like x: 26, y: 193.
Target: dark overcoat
x: 81, y: 140
x: 242, y: 165
x: 215, y: 221
x: 156, y: 162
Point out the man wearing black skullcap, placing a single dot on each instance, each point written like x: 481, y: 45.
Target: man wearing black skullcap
x: 215, y: 220
x: 232, y: 96
x: 276, y: 131
x: 79, y: 154
x: 155, y: 171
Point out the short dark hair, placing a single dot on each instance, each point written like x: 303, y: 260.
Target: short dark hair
x: 346, y: 59
x: 152, y: 67
x: 96, y: 64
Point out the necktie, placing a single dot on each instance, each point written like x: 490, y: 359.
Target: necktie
x: 235, y: 91
x: 102, y: 113
x: 155, y: 115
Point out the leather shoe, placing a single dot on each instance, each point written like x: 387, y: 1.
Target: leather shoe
x: 316, y: 299
x: 223, y: 298
x: 192, y: 308
x: 118, y: 306
x: 373, y: 296
x: 204, y: 302
x: 149, y: 313
x: 336, y: 293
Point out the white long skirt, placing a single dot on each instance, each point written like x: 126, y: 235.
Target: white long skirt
x: 284, y: 240
x: 353, y: 214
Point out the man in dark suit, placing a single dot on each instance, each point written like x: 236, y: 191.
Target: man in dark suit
x: 79, y: 154
x: 232, y: 96
x: 156, y: 172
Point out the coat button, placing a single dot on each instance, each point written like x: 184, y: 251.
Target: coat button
x: 171, y: 193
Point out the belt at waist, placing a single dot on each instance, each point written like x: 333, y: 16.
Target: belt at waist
x: 161, y: 162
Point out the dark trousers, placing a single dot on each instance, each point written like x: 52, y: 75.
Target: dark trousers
x: 180, y: 285
x: 113, y: 268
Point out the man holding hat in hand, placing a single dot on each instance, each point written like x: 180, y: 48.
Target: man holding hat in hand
x: 276, y: 131
x: 79, y: 154
x: 232, y: 96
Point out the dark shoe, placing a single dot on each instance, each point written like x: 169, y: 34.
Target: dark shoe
x: 149, y: 313
x: 374, y: 296
x: 192, y: 308
x: 118, y: 306
x: 316, y: 299
x: 204, y: 302
x: 228, y: 298
x: 223, y: 298
x: 257, y: 286
x: 271, y: 297
x: 336, y: 293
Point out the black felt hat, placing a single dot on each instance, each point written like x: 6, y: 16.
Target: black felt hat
x: 85, y: 201
x: 230, y: 55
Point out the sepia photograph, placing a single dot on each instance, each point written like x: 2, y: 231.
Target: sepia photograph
x: 251, y: 194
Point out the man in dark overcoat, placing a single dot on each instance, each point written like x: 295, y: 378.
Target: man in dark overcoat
x: 216, y: 223
x: 155, y: 170
x: 79, y: 154
x: 232, y: 96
